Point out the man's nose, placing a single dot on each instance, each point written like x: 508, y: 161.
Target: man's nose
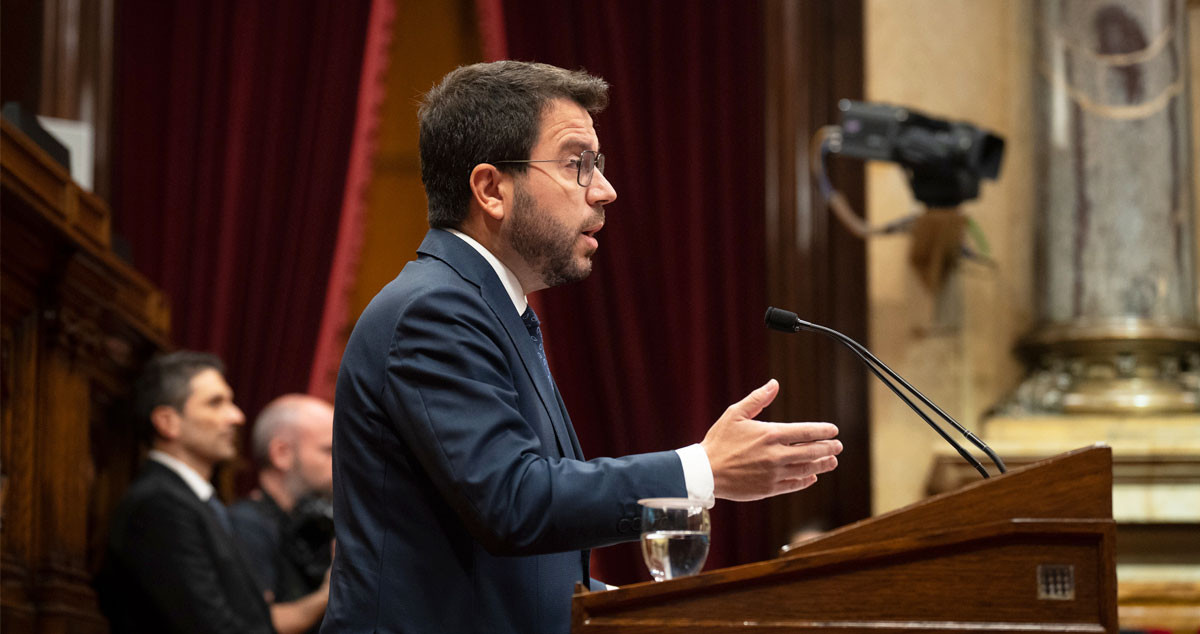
x: 601, y: 190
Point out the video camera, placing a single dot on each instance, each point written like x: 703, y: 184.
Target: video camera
x: 945, y: 160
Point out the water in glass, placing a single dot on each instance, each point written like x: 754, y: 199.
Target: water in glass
x: 675, y: 534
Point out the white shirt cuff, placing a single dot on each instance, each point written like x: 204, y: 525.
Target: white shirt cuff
x: 697, y: 473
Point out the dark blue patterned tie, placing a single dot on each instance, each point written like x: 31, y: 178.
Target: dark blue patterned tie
x: 222, y: 514
x: 535, y: 333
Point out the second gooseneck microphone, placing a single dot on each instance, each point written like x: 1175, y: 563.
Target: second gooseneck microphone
x: 786, y: 321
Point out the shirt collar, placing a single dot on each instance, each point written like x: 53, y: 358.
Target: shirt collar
x: 201, y: 487
x: 507, y: 277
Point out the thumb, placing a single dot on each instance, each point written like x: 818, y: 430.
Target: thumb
x: 757, y: 400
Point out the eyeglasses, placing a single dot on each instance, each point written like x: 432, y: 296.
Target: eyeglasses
x: 586, y: 165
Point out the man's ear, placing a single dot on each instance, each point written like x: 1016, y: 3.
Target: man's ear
x: 490, y: 190
x: 167, y: 421
x: 281, y: 453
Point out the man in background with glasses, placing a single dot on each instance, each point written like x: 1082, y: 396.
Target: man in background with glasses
x: 462, y: 500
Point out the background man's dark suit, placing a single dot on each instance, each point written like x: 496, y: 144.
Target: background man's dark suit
x: 461, y: 500
x: 171, y: 567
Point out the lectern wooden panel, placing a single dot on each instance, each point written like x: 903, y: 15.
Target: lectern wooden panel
x: 77, y: 323
x: 1029, y: 551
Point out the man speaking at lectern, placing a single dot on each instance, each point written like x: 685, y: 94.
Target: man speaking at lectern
x: 462, y: 500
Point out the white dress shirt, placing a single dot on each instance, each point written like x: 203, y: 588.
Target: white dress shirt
x: 201, y: 487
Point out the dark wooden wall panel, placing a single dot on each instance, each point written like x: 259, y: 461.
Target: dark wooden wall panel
x: 814, y: 266
x: 77, y: 325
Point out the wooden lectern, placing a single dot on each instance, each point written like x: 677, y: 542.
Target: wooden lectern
x: 1029, y: 551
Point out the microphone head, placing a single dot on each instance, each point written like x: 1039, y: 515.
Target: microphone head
x: 782, y: 320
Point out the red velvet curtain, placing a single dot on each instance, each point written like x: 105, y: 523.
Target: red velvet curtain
x: 337, y: 321
x: 668, y: 330
x: 234, y: 123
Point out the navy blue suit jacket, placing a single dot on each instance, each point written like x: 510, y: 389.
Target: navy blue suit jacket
x: 461, y: 498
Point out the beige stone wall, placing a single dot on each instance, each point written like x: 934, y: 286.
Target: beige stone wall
x: 970, y: 61
x: 967, y: 61
x: 1194, y: 57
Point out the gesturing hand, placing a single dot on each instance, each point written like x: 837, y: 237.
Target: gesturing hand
x: 752, y: 459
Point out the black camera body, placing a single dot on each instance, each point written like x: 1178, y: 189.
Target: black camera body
x: 945, y: 160
x: 307, y: 538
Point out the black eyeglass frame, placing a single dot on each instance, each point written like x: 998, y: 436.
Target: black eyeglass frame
x: 597, y: 163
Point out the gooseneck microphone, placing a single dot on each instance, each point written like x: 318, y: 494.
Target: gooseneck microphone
x: 786, y: 321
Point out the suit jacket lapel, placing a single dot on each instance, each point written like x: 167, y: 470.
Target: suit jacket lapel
x: 527, y: 349
x: 464, y: 259
x: 562, y: 407
x: 228, y: 544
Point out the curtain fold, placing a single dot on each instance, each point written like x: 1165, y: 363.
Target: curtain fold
x: 335, y: 321
x: 668, y: 329
x: 235, y: 123
x: 492, y: 38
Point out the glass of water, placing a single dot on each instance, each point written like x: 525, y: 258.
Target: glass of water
x: 674, y: 536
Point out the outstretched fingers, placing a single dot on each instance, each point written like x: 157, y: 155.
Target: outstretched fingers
x: 809, y: 468
x: 798, y: 433
x: 797, y: 484
x: 797, y: 463
x: 810, y: 451
x: 752, y: 459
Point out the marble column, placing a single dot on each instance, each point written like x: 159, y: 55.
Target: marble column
x: 1116, y: 289
x: 1115, y: 354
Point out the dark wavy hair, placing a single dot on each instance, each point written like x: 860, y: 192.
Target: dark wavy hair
x: 489, y: 112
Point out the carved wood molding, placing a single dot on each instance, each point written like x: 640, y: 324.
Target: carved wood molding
x: 77, y: 323
x: 47, y: 187
x: 57, y: 247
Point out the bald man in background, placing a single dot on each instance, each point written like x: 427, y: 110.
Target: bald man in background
x: 285, y: 525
